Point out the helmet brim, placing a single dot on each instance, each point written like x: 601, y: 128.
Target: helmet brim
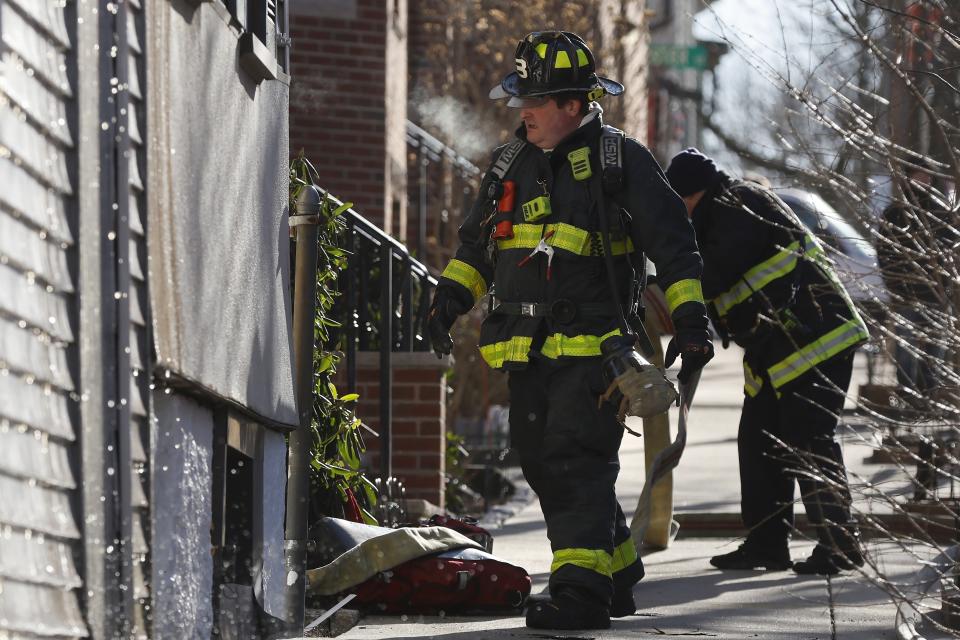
x: 509, y: 87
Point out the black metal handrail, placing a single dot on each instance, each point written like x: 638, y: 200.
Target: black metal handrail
x: 381, y: 274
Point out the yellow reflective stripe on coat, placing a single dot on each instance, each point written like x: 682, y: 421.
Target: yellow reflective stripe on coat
x: 580, y: 346
x: 566, y: 237
x: 850, y: 333
x: 516, y: 349
x: 782, y: 263
x: 683, y: 291
x: 752, y: 383
x: 624, y: 555
x: 462, y: 273
x: 593, y: 559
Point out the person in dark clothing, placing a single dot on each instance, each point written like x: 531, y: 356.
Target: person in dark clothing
x: 914, y: 239
x: 537, y: 236
x: 771, y: 290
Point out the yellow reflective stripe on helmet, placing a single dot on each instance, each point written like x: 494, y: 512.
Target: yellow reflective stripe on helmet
x: 624, y: 555
x: 683, y: 291
x: 562, y: 60
x: 593, y: 559
x: 462, y: 273
x: 578, y: 346
x: 752, y: 383
x: 759, y: 276
x: 850, y: 333
x: 582, y: 58
x: 541, y: 50
x: 516, y: 349
x: 566, y: 237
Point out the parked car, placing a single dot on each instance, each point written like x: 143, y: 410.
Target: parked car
x: 853, y: 256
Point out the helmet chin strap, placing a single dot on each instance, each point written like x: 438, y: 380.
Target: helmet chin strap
x: 595, y: 111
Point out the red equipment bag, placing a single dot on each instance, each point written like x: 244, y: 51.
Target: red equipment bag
x: 462, y: 580
x: 467, y: 526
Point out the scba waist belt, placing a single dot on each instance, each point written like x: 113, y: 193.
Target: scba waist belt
x: 563, y: 311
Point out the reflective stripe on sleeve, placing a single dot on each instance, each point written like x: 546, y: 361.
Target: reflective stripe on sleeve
x: 462, y: 273
x: 850, y: 333
x: 596, y: 560
x: 752, y: 383
x: 624, y: 555
x: 782, y: 263
x: 683, y: 291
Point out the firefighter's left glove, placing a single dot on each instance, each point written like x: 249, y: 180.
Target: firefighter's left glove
x: 692, y: 343
x: 443, y: 313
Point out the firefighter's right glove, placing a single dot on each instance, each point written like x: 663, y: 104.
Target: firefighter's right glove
x: 692, y: 343
x: 443, y: 313
x: 634, y: 386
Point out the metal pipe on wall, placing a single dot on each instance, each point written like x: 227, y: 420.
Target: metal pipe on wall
x: 298, y: 457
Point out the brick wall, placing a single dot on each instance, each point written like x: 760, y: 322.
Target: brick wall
x: 419, y: 419
x: 342, y: 53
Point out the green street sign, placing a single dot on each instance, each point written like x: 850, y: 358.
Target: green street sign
x: 678, y: 56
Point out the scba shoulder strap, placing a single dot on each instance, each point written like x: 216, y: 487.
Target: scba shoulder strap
x: 611, y: 159
x: 611, y: 164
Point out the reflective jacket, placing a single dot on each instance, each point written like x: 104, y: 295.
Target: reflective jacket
x: 770, y: 286
x: 655, y: 223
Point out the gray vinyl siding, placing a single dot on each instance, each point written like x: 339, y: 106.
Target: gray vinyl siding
x: 39, y: 532
x: 141, y: 352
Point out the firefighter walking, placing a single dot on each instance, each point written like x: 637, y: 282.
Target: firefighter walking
x: 558, y: 234
x: 772, y: 291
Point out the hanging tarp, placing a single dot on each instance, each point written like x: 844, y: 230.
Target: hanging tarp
x: 217, y: 217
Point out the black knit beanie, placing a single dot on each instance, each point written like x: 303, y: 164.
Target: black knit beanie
x: 690, y: 171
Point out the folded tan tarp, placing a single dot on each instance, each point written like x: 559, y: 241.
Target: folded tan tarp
x: 371, y: 550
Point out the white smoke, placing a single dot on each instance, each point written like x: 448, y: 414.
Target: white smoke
x: 457, y: 126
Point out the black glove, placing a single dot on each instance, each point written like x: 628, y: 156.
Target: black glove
x: 692, y: 343
x: 443, y: 313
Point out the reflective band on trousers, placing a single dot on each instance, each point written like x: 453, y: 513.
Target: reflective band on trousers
x: 751, y: 382
x: 565, y: 237
x: 683, y: 291
x: 624, y: 555
x: 593, y: 559
x: 462, y: 273
x: 846, y: 335
x: 517, y: 348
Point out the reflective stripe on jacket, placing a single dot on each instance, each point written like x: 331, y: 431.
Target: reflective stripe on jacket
x: 772, y: 285
x: 563, y: 212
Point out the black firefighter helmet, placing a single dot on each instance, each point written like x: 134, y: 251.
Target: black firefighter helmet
x: 551, y: 62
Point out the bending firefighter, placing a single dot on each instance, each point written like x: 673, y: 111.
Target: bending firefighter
x: 565, y: 213
x: 773, y: 292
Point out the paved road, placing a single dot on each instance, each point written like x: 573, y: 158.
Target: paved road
x: 682, y: 595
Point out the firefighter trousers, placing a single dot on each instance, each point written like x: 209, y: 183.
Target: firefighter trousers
x: 569, y: 451
x: 791, y: 438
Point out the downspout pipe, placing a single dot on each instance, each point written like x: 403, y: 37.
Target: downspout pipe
x: 304, y: 223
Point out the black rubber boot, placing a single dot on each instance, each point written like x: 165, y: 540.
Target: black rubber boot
x: 827, y: 563
x: 622, y: 604
x: 749, y: 557
x: 568, y: 610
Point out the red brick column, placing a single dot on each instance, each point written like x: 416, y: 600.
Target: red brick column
x: 419, y: 419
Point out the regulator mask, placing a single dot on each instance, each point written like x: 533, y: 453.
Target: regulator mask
x: 634, y: 385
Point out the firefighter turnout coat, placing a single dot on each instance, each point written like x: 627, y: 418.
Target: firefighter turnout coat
x: 557, y: 202
x: 770, y: 286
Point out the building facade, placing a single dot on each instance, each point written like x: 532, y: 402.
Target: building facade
x: 145, y: 366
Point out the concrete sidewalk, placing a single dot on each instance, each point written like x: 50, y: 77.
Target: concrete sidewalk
x: 682, y: 595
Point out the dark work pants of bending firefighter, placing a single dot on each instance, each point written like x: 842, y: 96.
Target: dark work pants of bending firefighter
x: 568, y: 449
x: 805, y: 418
